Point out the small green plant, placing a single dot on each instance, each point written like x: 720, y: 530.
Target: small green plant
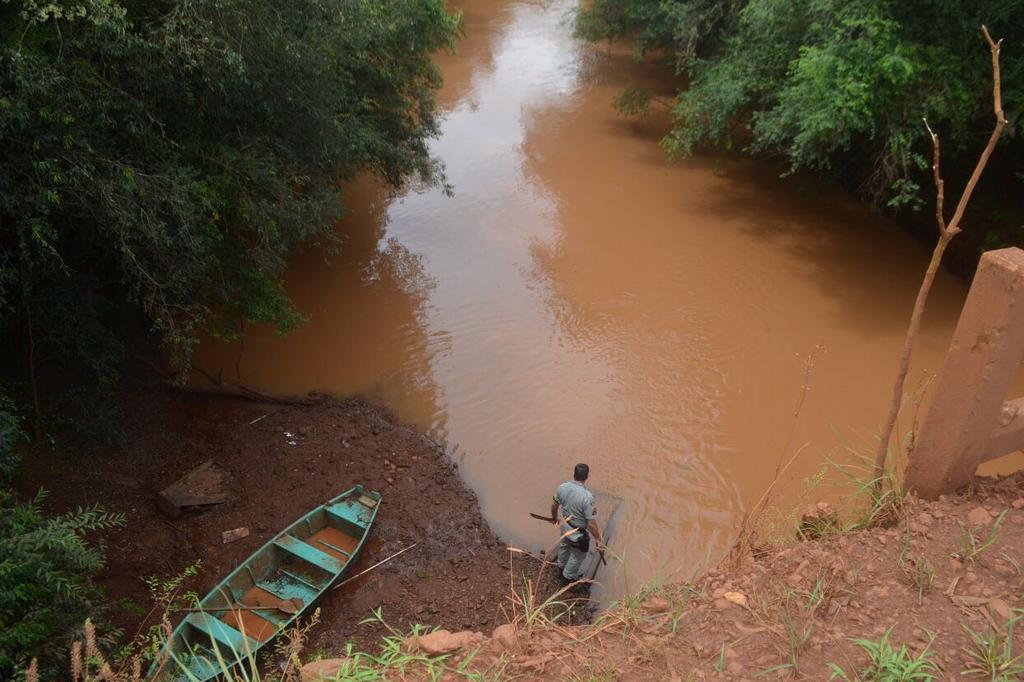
x: 168, y: 594
x: 797, y: 630
x: 874, y: 500
x: 992, y: 654
x: 919, y: 574
x: 795, y: 612
x: 917, y: 571
x: 889, y: 664
x: 820, y: 592
x: 789, y: 616
x: 720, y: 660
x: 678, y: 601
x: 595, y: 672
x: 532, y: 611
x: 971, y: 545
x: 635, y: 609
x: 1017, y: 568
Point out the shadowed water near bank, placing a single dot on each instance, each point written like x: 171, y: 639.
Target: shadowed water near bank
x: 582, y: 298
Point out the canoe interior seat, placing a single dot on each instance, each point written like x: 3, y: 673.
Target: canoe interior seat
x: 348, y: 512
x: 257, y: 596
x: 227, y: 638
x: 200, y: 662
x: 310, y: 554
x: 284, y: 586
x: 260, y: 625
x: 250, y: 623
x: 338, y: 544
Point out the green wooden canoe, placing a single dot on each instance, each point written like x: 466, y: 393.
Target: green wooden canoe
x: 299, y: 564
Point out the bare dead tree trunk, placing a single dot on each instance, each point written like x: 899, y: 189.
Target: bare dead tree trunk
x: 251, y: 394
x: 241, y: 350
x: 946, y: 234
x: 36, y: 417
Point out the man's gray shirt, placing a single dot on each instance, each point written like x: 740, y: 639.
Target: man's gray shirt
x: 576, y: 501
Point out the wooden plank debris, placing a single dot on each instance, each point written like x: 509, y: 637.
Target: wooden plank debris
x: 201, y: 488
x: 234, y: 534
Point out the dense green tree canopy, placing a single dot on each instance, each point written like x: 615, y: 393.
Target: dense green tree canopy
x: 167, y: 156
x: 833, y: 85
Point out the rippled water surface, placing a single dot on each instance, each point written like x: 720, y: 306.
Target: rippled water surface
x: 582, y: 298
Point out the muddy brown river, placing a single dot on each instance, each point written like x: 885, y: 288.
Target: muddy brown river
x: 581, y: 298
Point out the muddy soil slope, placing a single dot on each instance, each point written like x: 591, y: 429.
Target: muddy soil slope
x: 281, y: 461
x: 942, y: 584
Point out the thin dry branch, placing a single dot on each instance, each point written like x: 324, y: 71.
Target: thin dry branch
x: 940, y: 184
x: 749, y: 519
x: 946, y: 233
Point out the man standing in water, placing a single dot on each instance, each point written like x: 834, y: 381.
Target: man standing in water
x: 573, y: 504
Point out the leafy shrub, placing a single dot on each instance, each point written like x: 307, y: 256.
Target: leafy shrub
x: 834, y: 86
x: 46, y: 589
x: 163, y: 160
x: 10, y: 434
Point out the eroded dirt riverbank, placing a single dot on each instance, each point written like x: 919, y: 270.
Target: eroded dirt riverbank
x: 457, y: 577
x: 934, y: 588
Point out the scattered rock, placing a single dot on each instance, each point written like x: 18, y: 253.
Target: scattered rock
x: 979, y: 516
x: 324, y: 669
x: 999, y: 608
x: 443, y: 642
x: 737, y: 598
x: 1018, y: 503
x: 505, y: 636
x: 818, y: 521
x: 661, y: 605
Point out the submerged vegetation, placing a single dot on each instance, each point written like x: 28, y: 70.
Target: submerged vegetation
x: 832, y: 86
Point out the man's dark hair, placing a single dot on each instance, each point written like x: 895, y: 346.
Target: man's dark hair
x: 581, y: 472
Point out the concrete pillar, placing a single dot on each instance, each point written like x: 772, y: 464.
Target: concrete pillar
x: 1008, y: 435
x: 968, y: 421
